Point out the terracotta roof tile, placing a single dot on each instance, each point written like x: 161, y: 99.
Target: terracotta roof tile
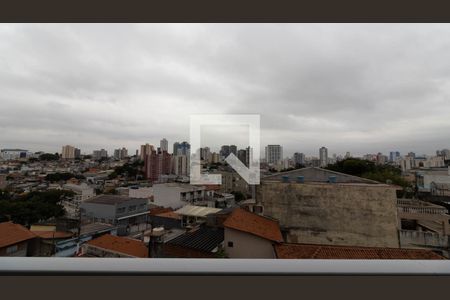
x: 169, y: 214
x: 11, y: 234
x: 120, y: 244
x: 243, y: 220
x: 307, y: 251
x: 159, y: 210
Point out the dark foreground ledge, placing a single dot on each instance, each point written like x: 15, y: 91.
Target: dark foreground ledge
x: 155, y: 266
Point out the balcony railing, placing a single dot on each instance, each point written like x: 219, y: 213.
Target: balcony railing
x: 162, y: 266
x: 422, y: 210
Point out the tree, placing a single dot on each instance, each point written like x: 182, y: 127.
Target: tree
x: 368, y: 169
x: 33, y: 207
x: 49, y: 157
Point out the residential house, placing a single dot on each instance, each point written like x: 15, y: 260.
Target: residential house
x: 248, y: 235
x: 16, y: 240
x: 128, y: 214
x: 114, y: 246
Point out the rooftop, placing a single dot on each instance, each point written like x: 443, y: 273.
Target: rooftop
x: 314, y: 174
x: 197, y: 211
x: 11, y: 234
x: 307, y: 251
x: 92, y: 228
x: 184, y: 186
x: 121, y: 245
x: 110, y: 199
x: 245, y: 221
x: 203, y: 239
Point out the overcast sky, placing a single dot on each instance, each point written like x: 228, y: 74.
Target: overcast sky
x: 361, y: 88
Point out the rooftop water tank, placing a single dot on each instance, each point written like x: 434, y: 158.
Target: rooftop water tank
x: 285, y: 178
x: 332, y: 179
x: 300, y: 179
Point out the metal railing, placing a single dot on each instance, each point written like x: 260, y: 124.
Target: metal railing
x: 155, y: 266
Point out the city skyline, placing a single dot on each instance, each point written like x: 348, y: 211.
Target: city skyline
x: 94, y: 85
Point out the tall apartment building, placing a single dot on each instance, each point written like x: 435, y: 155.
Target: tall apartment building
x: 175, y: 148
x: 323, y: 156
x: 205, y: 153
x: 157, y: 164
x: 99, y: 154
x: 120, y: 153
x: 182, y: 149
x: 164, y: 145
x: 70, y: 152
x: 274, y: 154
x: 146, y: 150
x: 393, y: 156
x: 233, y: 149
x: 243, y: 156
x: 181, y: 165
x: 224, y: 151
x: 215, y: 157
x: 299, y: 158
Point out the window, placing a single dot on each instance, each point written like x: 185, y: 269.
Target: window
x: 121, y: 210
x: 230, y: 244
x: 132, y: 208
x: 11, y: 249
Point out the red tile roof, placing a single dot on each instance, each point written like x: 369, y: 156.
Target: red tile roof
x: 120, y: 244
x: 11, y: 234
x: 159, y: 210
x: 306, y: 251
x: 170, y: 214
x: 246, y: 221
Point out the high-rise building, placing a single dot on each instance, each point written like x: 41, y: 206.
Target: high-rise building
x: 233, y: 149
x: 164, y: 145
x: 175, y: 148
x: 120, y: 153
x: 323, y: 156
x: 157, y: 164
x: 215, y: 157
x: 146, y: 150
x: 181, y: 165
x: 299, y: 159
x: 205, y: 153
x: 393, y: 156
x: 224, y: 151
x: 243, y: 156
x: 274, y: 154
x: 70, y: 152
x: 99, y: 154
x: 182, y: 149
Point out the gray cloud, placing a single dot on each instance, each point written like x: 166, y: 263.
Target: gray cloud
x: 351, y: 87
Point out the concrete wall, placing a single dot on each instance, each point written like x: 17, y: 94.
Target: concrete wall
x: 246, y: 245
x: 429, y: 178
x: 22, y: 249
x: 98, y: 210
x: 334, y: 214
x: 167, y: 196
x: 142, y: 192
